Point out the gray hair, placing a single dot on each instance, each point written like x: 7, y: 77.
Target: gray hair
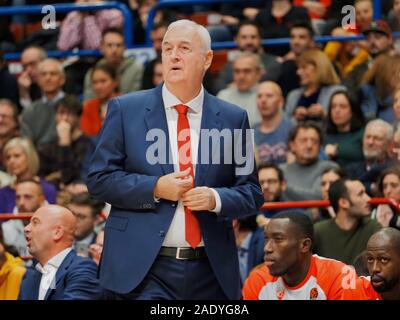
x: 384, y: 124
x: 199, y: 29
x: 54, y: 61
x: 41, y: 52
x: 255, y: 56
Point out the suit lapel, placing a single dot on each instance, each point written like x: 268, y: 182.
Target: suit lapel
x: 62, y: 270
x: 156, y: 119
x: 209, y: 120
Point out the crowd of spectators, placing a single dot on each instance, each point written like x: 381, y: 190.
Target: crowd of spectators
x: 325, y: 118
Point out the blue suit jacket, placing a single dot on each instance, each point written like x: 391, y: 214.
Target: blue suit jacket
x: 121, y: 175
x: 76, y: 279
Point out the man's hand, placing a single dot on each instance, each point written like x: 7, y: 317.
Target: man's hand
x: 300, y: 113
x: 331, y: 150
x: 384, y: 214
x: 24, y: 81
x: 172, y: 186
x: 316, y: 110
x: 199, y: 199
x: 64, y: 133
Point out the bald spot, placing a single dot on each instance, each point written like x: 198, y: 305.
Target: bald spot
x: 270, y: 85
x: 55, y: 216
x: 52, y: 63
x: 384, y: 239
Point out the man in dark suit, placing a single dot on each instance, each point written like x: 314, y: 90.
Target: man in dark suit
x: 169, y: 234
x: 60, y: 273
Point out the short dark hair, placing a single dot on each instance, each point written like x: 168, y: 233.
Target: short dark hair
x: 84, y: 199
x: 304, y: 24
x: 306, y: 125
x: 112, y: 72
x: 112, y: 30
x: 267, y: 165
x: 338, y: 190
x: 249, y: 23
x: 159, y: 25
x: 357, y: 117
x: 337, y: 170
x: 71, y: 103
x: 34, y: 182
x: 14, y: 108
x: 301, y: 220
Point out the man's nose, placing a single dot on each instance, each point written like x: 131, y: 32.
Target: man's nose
x: 268, y: 247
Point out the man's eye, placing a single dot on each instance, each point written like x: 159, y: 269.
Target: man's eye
x: 384, y: 260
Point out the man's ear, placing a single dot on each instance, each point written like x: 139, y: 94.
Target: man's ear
x: 306, y: 245
x: 58, y: 233
x: 208, y: 60
x: 344, y: 203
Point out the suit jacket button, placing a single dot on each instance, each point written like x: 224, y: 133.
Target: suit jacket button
x: 173, y: 204
x: 161, y: 233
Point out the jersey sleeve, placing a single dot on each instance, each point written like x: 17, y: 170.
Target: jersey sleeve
x: 254, y: 283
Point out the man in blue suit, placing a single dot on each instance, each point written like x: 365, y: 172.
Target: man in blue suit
x: 60, y: 273
x: 169, y: 233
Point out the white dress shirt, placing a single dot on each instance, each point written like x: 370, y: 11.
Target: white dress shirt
x: 49, y: 272
x: 175, y: 236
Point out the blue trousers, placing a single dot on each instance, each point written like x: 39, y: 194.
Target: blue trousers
x: 172, y: 279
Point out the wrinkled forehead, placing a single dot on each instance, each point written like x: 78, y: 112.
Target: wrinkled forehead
x: 182, y: 35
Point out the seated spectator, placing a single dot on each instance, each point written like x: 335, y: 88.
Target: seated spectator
x: 43, y: 129
x: 345, y: 129
x: 346, y: 236
x: 377, y: 87
x: 388, y: 186
x: 319, y: 82
x: 28, y: 197
x: 377, y: 140
x: 156, y: 35
x: 301, y: 40
x: 96, y: 249
x: 247, y: 71
x: 303, y: 176
x: 273, y: 186
x: 22, y: 162
x: 11, y: 273
x: 275, y: 21
x: 396, y: 109
x: 128, y: 71
x: 104, y: 84
x: 272, y: 134
x: 88, y: 213
x: 290, y: 269
x: 383, y: 259
x: 9, y: 85
x: 28, y: 80
x: 9, y: 126
x: 328, y: 177
x: 317, y: 10
x: 378, y: 40
x: 394, y: 16
x: 83, y: 30
x: 250, y: 244
x: 60, y: 273
x: 349, y: 54
x: 158, y: 74
x: 248, y: 39
x: 62, y: 160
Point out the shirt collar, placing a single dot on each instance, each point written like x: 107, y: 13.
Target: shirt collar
x: 59, y: 96
x: 55, y: 262
x: 170, y: 100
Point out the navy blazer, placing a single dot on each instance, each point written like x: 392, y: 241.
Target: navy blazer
x: 121, y: 175
x: 76, y: 279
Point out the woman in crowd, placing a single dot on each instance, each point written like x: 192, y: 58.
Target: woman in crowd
x: 104, y: 84
x: 22, y: 162
x: 345, y: 129
x: 319, y: 82
x: 12, y: 271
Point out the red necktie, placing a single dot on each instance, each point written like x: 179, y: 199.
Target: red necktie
x: 192, y: 229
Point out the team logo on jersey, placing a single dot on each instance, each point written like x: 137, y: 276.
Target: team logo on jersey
x: 280, y: 293
x: 313, y: 294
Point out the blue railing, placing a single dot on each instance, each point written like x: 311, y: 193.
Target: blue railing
x: 128, y: 23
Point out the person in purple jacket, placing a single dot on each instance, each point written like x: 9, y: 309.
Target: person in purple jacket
x: 22, y: 162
